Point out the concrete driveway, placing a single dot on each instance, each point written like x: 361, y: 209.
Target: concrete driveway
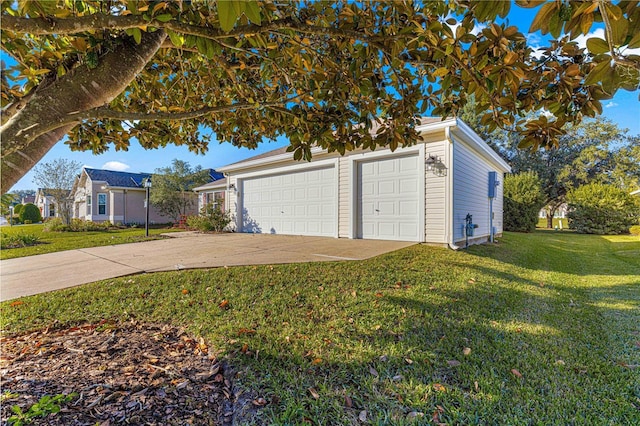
x: 186, y: 250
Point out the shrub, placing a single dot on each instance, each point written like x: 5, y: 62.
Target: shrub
x: 601, y: 209
x: 8, y: 241
x: 55, y: 224
x: 635, y: 230
x: 211, y: 218
x: 17, y: 209
x: 30, y: 212
x: 523, y: 199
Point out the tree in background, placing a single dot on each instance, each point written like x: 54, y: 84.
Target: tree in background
x: 56, y: 179
x: 171, y: 191
x: 21, y: 193
x: 598, y: 208
x: 321, y: 73
x: 523, y: 199
x: 591, y: 151
x: 7, y: 200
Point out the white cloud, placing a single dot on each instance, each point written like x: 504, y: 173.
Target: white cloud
x: 599, y: 33
x: 611, y: 104
x: 116, y: 166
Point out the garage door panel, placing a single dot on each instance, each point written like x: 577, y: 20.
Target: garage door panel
x: 389, y: 198
x: 298, y: 203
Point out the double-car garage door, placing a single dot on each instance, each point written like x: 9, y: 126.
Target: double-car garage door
x: 386, y: 201
x: 293, y: 203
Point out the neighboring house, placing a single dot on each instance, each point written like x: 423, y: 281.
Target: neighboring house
x: 560, y: 213
x: 46, y: 203
x: 119, y: 197
x: 213, y: 193
x: 421, y: 193
x: 28, y: 199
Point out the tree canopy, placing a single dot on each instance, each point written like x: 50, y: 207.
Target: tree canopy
x: 321, y: 73
x: 56, y: 178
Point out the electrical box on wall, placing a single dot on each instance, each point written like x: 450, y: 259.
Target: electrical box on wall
x: 493, y: 183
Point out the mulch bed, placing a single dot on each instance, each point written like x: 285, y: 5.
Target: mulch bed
x: 132, y: 373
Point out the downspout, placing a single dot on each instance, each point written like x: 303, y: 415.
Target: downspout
x: 449, y: 193
x: 124, y: 206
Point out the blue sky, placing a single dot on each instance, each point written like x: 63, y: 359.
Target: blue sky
x: 623, y: 109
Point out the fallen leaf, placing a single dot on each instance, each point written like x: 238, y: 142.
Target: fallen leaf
x: 453, y: 363
x: 224, y: 304
x: 439, y: 388
x: 259, y: 402
x: 246, y: 331
x: 432, y: 288
x: 316, y: 361
x: 314, y: 393
x: 16, y: 303
x: 373, y: 372
x: 378, y: 294
x: 560, y: 362
x: 541, y: 284
x: 518, y: 330
x: 245, y: 348
x: 466, y: 351
x: 185, y: 291
x: 347, y: 401
x: 471, y: 280
x: 383, y: 358
x: 408, y: 361
x: 516, y: 373
x: 476, y: 386
x: 362, y: 416
x: 397, y: 378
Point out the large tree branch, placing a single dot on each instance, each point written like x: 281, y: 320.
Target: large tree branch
x: 80, y: 24
x: 81, y: 90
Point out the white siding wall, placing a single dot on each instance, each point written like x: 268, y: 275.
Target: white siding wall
x: 435, y: 191
x: 345, y: 192
x: 470, y: 192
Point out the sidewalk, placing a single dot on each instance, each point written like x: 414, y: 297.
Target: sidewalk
x: 53, y: 271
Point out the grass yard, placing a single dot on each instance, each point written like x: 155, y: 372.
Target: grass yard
x: 542, y: 223
x: 58, y: 241
x: 539, y: 329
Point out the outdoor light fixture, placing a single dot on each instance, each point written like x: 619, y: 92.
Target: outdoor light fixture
x: 147, y: 186
x: 435, y: 165
x: 233, y: 187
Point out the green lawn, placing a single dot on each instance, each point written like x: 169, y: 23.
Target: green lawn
x: 57, y: 241
x: 542, y: 223
x: 541, y: 328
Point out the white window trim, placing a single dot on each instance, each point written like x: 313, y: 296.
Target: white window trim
x: 106, y: 198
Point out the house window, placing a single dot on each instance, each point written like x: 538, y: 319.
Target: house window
x: 52, y: 210
x: 88, y: 204
x: 219, y: 199
x: 102, y: 203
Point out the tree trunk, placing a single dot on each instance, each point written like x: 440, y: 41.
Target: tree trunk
x: 29, y: 134
x: 549, y: 218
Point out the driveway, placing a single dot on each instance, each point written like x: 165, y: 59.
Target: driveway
x: 186, y: 250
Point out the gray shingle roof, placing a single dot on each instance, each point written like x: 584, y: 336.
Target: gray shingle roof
x: 131, y: 180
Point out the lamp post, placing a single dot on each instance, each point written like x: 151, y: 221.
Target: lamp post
x: 10, y: 215
x: 147, y: 187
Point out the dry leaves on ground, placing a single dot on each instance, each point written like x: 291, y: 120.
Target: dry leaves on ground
x: 126, y: 374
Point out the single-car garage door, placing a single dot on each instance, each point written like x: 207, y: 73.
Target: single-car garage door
x: 389, y: 199
x: 294, y: 203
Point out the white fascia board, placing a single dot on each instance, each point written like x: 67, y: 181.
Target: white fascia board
x: 128, y: 188
x: 471, y: 138
x: 426, y: 128
x: 265, y: 161
x: 212, y: 185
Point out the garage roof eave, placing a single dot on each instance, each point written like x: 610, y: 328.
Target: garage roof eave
x: 264, y: 161
x: 477, y: 143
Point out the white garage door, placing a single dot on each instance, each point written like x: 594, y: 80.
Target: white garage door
x: 389, y: 199
x: 297, y: 203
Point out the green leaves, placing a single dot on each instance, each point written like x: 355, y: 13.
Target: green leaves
x: 229, y: 11
x: 597, y: 45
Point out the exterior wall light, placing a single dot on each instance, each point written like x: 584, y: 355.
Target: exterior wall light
x: 435, y: 165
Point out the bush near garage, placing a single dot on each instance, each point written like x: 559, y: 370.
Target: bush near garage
x: 602, y: 209
x: 211, y: 219
x: 523, y: 199
x: 30, y: 213
x: 635, y: 230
